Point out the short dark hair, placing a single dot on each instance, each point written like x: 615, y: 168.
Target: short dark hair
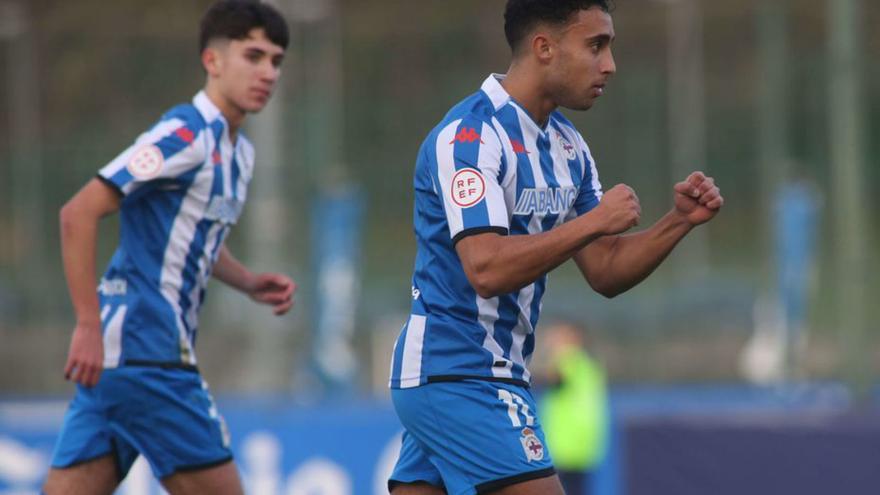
x: 521, y: 16
x: 234, y: 20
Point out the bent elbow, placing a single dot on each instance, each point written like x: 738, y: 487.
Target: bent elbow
x: 609, y: 293
x: 607, y: 290
x: 484, y: 287
x: 66, y: 216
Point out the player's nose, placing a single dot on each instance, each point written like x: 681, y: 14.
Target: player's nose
x: 608, y: 66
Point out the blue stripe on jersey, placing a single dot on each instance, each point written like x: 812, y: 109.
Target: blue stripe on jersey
x: 467, y: 155
x: 509, y: 119
x: 587, y: 199
x: 549, y: 177
x: 235, y: 173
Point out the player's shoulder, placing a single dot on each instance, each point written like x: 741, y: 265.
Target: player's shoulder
x: 472, y: 112
x: 188, y: 115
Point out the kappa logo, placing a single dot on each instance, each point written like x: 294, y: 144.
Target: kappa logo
x: 532, y: 445
x: 468, y: 187
x: 146, y: 162
x: 518, y: 147
x: 185, y: 135
x: 467, y: 135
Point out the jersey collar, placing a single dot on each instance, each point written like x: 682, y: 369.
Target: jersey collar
x: 500, y: 97
x: 497, y: 94
x: 210, y: 112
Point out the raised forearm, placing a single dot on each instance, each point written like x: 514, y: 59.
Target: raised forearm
x: 621, y: 262
x: 488, y: 259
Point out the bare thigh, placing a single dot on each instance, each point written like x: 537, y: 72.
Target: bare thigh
x: 541, y: 486
x: 97, y: 477
x: 217, y: 480
x: 417, y: 489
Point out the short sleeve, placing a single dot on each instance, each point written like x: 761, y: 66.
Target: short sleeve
x: 590, y: 191
x: 469, y: 156
x: 170, y: 149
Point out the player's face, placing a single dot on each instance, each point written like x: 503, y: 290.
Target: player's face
x: 584, y: 63
x: 248, y: 71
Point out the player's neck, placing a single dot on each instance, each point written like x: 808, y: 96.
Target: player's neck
x: 524, y: 85
x: 234, y: 116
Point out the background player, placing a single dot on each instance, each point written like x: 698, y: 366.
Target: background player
x: 179, y: 189
x: 506, y: 190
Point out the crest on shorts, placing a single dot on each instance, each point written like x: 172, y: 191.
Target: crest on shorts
x: 532, y: 446
x: 146, y: 162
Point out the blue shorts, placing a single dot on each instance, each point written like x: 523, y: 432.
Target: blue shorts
x: 165, y: 414
x: 469, y: 436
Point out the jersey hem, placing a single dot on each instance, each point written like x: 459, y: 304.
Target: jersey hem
x: 165, y: 365
x: 458, y: 378
x: 478, y: 230
x: 493, y: 485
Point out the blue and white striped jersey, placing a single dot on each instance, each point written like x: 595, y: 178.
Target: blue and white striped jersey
x: 487, y: 167
x: 183, y: 183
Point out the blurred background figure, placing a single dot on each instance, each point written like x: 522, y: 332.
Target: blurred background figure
x: 573, y: 407
x: 776, y: 349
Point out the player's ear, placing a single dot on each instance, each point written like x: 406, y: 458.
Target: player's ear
x: 542, y: 47
x: 211, y: 60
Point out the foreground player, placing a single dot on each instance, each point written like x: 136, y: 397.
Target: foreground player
x: 505, y: 191
x: 179, y: 189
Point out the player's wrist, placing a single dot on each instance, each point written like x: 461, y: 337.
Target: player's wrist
x: 88, y: 324
x: 681, y: 219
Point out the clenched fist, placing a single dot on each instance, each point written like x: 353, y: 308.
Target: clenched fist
x: 697, y: 198
x: 619, y: 210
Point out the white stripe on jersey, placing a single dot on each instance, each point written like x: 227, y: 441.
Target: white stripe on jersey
x: 113, y: 336
x: 595, y: 174
x: 510, y: 173
x: 391, y: 364
x: 523, y: 327
x: 489, y: 155
x: 488, y: 315
x: 445, y: 172
x: 411, y: 368
x: 179, y: 241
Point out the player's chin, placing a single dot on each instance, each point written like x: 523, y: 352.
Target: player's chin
x: 255, y: 105
x: 582, y: 104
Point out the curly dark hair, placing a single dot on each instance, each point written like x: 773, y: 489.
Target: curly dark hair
x: 521, y: 16
x: 234, y: 19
